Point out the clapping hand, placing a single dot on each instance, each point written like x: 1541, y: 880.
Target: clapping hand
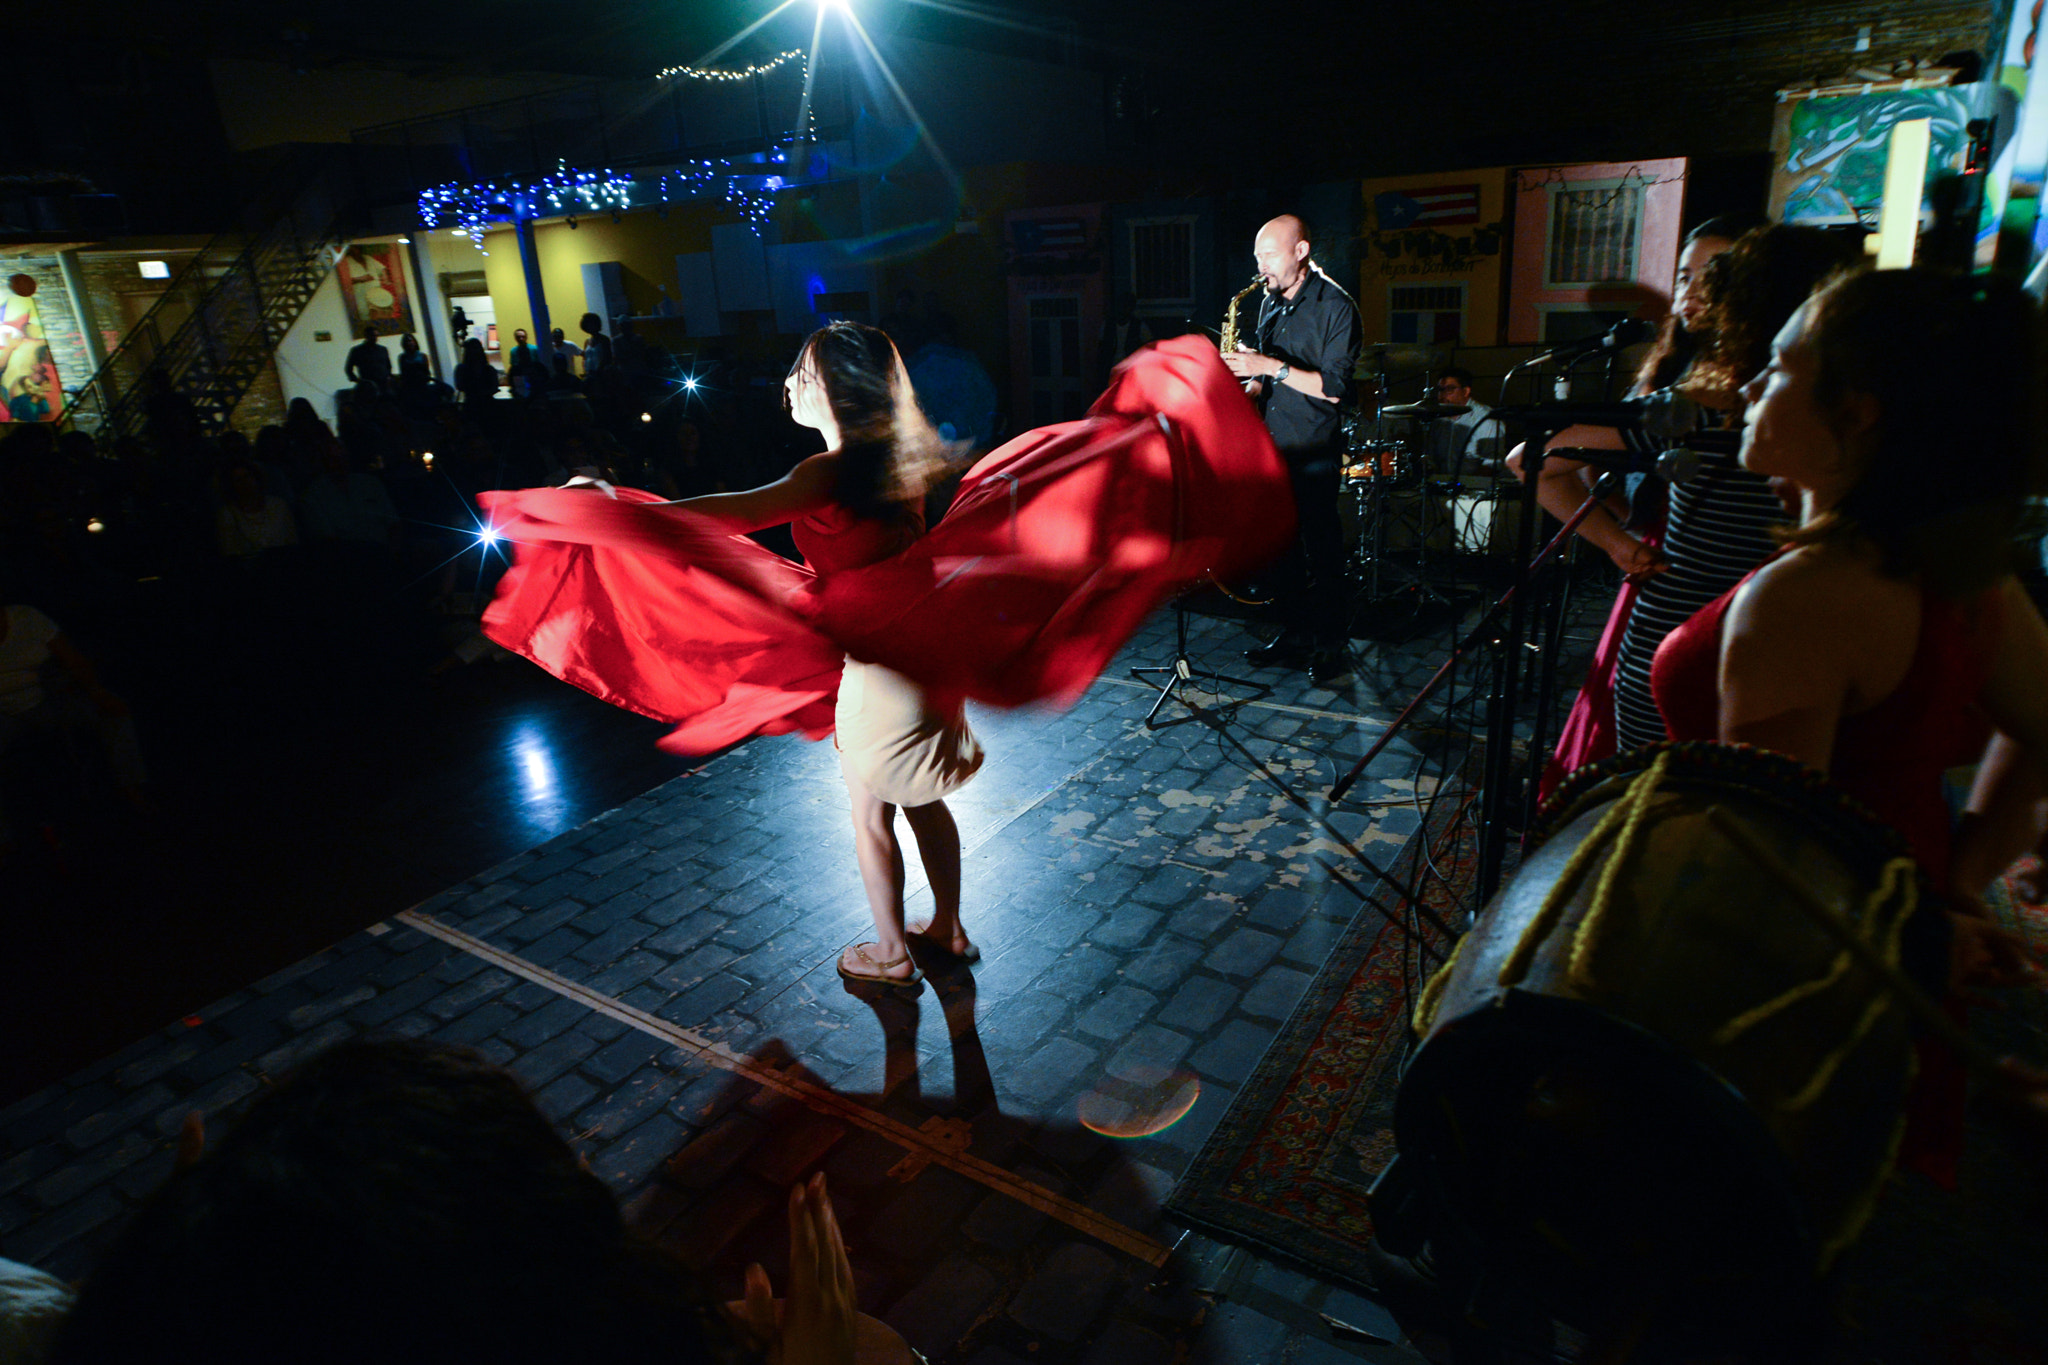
x: 817, y: 1326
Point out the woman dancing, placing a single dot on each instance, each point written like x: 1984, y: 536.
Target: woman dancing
x: 858, y: 502
x: 1053, y: 554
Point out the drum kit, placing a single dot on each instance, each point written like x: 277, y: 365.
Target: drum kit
x: 1414, y: 525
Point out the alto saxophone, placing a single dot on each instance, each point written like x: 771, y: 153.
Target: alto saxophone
x: 1228, y: 341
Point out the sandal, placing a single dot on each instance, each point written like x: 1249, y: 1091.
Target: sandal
x: 945, y: 947
x: 880, y: 975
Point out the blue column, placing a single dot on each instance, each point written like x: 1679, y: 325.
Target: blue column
x: 536, y: 296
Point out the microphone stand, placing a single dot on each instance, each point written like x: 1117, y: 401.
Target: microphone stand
x: 1465, y: 646
x: 1497, y: 795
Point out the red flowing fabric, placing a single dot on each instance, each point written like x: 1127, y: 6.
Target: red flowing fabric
x: 1057, y: 547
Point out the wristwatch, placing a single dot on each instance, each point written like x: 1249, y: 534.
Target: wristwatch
x: 1280, y: 375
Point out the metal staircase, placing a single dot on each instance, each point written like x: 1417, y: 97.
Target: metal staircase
x: 213, y: 331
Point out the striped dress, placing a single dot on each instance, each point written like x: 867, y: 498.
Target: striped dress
x: 1719, y: 529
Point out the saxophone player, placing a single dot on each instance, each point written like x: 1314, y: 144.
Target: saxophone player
x: 1300, y: 370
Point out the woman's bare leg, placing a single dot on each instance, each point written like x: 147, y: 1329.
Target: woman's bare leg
x: 938, y: 848
x: 881, y: 873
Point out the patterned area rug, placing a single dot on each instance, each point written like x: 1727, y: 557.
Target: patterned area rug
x: 1288, y: 1168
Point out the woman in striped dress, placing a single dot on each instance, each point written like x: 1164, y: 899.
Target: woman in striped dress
x: 1628, y: 529
x: 1720, y: 521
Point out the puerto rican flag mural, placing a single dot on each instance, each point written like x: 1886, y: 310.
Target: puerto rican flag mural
x: 1436, y: 206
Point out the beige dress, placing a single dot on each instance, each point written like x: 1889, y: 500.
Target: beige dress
x: 903, y: 749
x: 897, y: 744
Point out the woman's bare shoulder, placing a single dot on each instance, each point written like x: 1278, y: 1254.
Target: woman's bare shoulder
x: 1817, y: 594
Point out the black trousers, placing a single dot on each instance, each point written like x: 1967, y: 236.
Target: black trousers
x: 1314, y: 598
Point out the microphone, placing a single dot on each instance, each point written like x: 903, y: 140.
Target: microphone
x: 1627, y: 332
x: 1677, y: 465
x: 1665, y: 414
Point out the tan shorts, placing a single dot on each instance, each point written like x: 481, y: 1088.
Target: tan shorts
x: 902, y: 749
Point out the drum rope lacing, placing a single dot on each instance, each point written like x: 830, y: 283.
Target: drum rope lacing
x: 1626, y: 815
x: 1896, y: 885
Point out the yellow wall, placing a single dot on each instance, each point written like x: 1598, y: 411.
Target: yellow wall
x: 1472, y: 254
x: 644, y: 243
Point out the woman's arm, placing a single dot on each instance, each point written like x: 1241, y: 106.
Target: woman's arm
x: 2004, y: 818
x: 1564, y: 484
x: 810, y: 487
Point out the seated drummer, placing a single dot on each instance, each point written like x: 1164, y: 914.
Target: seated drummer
x: 1464, y: 446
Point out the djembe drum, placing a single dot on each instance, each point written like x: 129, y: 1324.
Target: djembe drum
x: 1651, y: 1090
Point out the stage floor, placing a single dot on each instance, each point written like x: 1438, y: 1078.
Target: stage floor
x: 1150, y: 903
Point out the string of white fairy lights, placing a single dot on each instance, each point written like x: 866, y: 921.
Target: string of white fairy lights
x: 472, y: 208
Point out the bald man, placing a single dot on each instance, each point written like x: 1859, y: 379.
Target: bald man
x: 1300, y: 372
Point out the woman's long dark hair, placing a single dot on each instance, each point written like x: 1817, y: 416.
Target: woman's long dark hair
x: 1954, y: 366
x: 888, y: 453
x: 1753, y: 289
x: 1675, y: 347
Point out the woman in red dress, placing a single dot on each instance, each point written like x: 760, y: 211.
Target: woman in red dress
x: 1889, y: 638
x: 1054, y: 552
x: 858, y: 502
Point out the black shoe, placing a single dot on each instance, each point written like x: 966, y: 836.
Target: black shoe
x: 1286, y: 651
x: 1330, y: 667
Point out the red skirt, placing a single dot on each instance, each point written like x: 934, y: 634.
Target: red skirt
x: 1055, y: 550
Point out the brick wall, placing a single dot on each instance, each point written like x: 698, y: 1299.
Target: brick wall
x: 110, y: 276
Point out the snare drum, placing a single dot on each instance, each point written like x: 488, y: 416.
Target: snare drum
x: 1648, y: 1083
x: 1374, y: 461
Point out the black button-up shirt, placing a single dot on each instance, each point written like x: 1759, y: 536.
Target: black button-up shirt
x: 1316, y: 330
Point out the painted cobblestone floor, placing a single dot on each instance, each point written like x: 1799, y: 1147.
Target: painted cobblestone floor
x: 1149, y: 902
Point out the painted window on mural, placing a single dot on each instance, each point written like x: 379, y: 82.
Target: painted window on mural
x: 1163, y: 262
x: 1428, y: 314
x: 29, y: 391
x: 1595, y: 230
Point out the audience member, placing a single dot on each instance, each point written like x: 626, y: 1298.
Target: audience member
x: 369, y: 364
x: 343, y: 503
x: 251, y: 520
x: 597, y: 347
x: 566, y: 349
x: 476, y: 378
x: 413, y: 370
x: 523, y: 352
x: 33, y: 703
x: 405, y: 1201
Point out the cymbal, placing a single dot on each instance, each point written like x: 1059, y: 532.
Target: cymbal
x: 1428, y: 410
x: 1395, y: 355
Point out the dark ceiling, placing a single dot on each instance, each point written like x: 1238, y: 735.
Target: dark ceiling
x: 586, y: 37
